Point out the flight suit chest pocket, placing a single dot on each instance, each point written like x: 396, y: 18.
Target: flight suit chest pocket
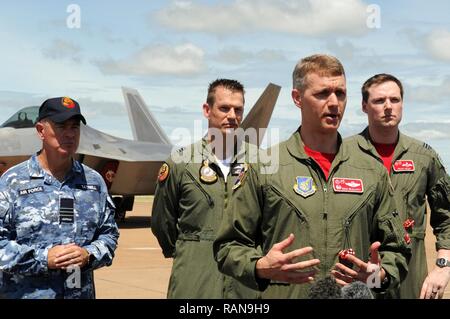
x: 192, y: 188
x: 356, y: 224
x: 282, y: 217
x: 406, y: 181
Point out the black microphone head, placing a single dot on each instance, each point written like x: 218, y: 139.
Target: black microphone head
x: 325, y: 288
x: 356, y: 290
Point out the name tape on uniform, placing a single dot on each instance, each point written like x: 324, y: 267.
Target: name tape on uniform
x: 32, y: 190
x: 404, y: 166
x: 348, y: 185
x: 88, y: 187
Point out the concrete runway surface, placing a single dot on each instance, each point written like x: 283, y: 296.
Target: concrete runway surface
x: 140, y: 271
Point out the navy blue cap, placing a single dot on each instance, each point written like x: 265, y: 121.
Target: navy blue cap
x: 60, y: 109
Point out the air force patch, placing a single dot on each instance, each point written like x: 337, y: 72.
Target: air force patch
x: 304, y: 186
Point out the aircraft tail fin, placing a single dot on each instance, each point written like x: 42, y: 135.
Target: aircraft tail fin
x: 143, y: 123
x: 260, y: 114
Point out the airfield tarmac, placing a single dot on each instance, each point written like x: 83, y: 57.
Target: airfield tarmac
x: 140, y: 271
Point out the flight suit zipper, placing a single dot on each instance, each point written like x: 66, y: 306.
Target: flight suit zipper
x: 290, y: 204
x: 324, y: 185
x: 208, y: 197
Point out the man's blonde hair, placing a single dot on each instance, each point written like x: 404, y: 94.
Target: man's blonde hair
x: 321, y: 64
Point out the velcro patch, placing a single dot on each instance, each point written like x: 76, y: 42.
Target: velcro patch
x: 163, y: 173
x: 32, y: 190
x: 88, y: 187
x: 66, y: 210
x: 236, y: 169
x: 348, y: 185
x: 404, y: 166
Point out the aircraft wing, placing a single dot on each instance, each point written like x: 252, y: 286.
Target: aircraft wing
x: 96, y: 143
x: 138, y: 161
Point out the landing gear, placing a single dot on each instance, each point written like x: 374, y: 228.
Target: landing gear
x: 123, y: 204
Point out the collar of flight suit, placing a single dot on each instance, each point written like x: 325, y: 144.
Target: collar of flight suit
x: 365, y: 142
x: 36, y: 171
x: 296, y: 148
x: 204, y: 149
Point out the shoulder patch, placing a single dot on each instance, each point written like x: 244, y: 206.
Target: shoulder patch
x: 163, y: 173
x: 428, y: 147
x: 181, y: 150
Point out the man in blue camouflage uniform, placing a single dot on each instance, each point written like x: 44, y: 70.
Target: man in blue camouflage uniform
x: 56, y: 218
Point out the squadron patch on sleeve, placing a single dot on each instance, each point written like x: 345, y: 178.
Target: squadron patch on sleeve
x: 163, y: 173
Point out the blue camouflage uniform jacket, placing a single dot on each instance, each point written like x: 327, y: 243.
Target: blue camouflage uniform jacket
x: 38, y: 212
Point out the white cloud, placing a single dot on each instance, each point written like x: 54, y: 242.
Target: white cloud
x: 62, y: 49
x: 345, y: 49
x: 185, y: 59
x: 235, y: 55
x: 438, y: 44
x: 427, y: 131
x: 430, y: 93
x: 309, y: 17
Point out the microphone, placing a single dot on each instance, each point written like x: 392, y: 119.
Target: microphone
x: 356, y: 290
x: 325, y: 288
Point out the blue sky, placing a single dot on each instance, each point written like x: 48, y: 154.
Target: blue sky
x: 171, y: 50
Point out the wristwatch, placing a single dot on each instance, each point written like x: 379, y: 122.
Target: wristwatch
x: 442, y: 262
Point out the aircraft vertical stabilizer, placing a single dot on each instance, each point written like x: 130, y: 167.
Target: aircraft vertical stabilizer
x: 143, y: 124
x: 261, y: 112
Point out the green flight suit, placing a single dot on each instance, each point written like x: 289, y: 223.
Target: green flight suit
x: 186, y: 215
x: 427, y: 179
x: 268, y: 207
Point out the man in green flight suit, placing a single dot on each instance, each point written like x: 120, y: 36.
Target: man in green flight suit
x: 417, y: 175
x: 323, y: 201
x: 191, y: 195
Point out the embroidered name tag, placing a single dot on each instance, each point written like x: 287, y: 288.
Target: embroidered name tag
x: 348, y: 185
x: 66, y: 210
x: 29, y: 191
x: 404, y: 166
x: 87, y: 187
